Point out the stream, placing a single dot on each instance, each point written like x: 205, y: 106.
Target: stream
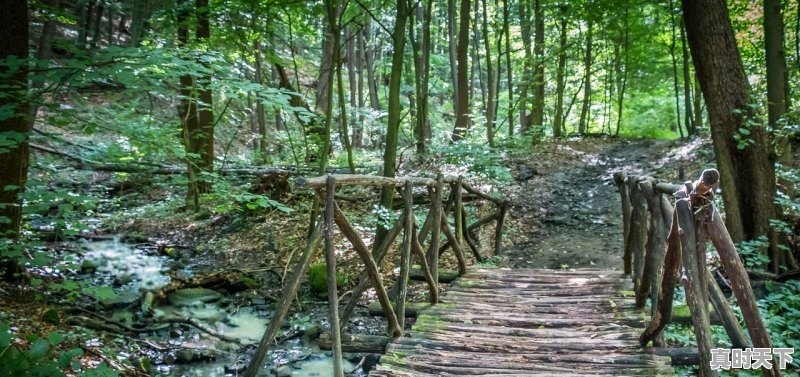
x: 180, y: 350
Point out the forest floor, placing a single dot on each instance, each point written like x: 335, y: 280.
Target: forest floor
x: 564, y: 214
x: 567, y: 208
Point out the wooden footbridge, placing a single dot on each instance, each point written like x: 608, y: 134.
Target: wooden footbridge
x: 524, y: 322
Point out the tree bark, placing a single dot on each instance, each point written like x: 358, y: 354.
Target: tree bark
x: 747, y: 175
x: 462, y: 70
x: 537, y: 118
x: 451, y: 38
x: 490, y: 77
x: 587, y: 79
x: 691, y: 128
x: 13, y: 159
x: 673, y: 55
x: 205, y: 112
x: 525, y: 34
x: 777, y: 83
x: 558, y: 121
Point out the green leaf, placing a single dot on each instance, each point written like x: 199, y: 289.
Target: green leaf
x: 55, y: 338
x: 100, y: 293
x: 744, y: 131
x: 5, y: 335
x: 38, y: 350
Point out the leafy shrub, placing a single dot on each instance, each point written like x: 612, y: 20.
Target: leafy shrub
x: 41, y: 357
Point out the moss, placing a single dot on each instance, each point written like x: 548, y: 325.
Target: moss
x: 318, y: 279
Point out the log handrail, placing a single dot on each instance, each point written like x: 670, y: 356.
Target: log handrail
x: 693, y: 222
x: 458, y: 237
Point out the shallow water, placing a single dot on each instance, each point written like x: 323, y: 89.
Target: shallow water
x: 120, y: 262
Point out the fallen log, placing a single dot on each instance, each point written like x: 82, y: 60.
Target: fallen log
x: 357, y: 343
x: 678, y: 355
x: 445, y: 276
x: 412, y: 308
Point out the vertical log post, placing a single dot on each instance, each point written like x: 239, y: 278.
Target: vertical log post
x: 405, y: 255
x: 282, y: 307
x: 436, y: 212
x: 656, y: 243
x: 458, y: 214
x: 637, y: 238
x: 672, y: 266
x: 498, y: 232
x: 695, y: 289
x: 621, y: 178
x: 333, y: 294
x: 740, y: 284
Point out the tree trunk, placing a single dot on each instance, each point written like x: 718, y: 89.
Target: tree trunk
x: 261, y: 117
x: 490, y: 77
x: 538, y: 71
x: 462, y: 79
x: 98, y: 18
x: 624, y: 74
x: 325, y: 70
x: 451, y: 38
x: 205, y: 112
x: 691, y: 128
x: 358, y: 59
x: 509, y: 77
x: 525, y: 33
x: 587, y: 79
x: 421, y: 55
x: 369, y: 60
x: 43, y: 53
x: 138, y: 21
x: 673, y: 55
x: 558, y: 121
x: 350, y: 58
x: 747, y: 176
x: 394, y: 116
x: 777, y: 83
x: 13, y: 158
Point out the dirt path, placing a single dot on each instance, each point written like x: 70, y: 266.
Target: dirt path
x: 566, y: 211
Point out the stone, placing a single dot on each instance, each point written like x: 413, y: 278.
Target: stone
x: 283, y: 371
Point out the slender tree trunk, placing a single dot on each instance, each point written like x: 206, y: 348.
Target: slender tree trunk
x: 777, y: 80
x: 691, y: 129
x: 13, y: 158
x: 394, y: 116
x: 98, y: 18
x: 509, y: 76
x: 138, y: 21
x: 525, y: 33
x: 624, y: 74
x: 538, y: 73
x: 421, y: 56
x: 369, y: 60
x: 43, y: 53
x: 205, y: 112
x: 350, y: 58
x: 697, y: 99
x: 558, y: 121
x: 747, y: 176
x: 325, y: 67
x: 261, y: 116
x: 673, y: 55
x: 451, y: 38
x: 463, y: 109
x: 490, y: 77
x: 587, y: 80
x: 187, y: 111
x: 358, y: 128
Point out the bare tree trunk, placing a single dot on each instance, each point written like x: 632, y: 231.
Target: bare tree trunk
x: 624, y: 74
x: 490, y: 77
x: 205, y: 112
x: 350, y: 58
x: 369, y: 60
x: 691, y: 129
x: 525, y: 33
x: 558, y: 121
x: 462, y: 56
x: 587, y: 80
x: 509, y: 76
x: 451, y: 38
x: 358, y: 59
x: 261, y: 116
x: 777, y: 82
x: 673, y: 55
x: 747, y: 175
x: 98, y: 18
x: 13, y: 158
x: 538, y: 72
x: 43, y: 53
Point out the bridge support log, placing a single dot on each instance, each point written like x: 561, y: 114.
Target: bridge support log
x: 694, y: 284
x: 621, y: 178
x: 635, y: 244
x: 333, y: 292
x: 357, y: 343
x: 740, y: 284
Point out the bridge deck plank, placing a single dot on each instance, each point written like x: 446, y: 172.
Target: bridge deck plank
x: 527, y: 322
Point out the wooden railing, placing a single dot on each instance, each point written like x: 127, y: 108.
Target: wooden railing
x: 661, y: 238
x: 424, y: 243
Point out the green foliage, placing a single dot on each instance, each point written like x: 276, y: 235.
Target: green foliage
x: 382, y: 216
x: 42, y: 357
x: 229, y: 198
x: 479, y: 159
x: 780, y: 310
x: 753, y: 253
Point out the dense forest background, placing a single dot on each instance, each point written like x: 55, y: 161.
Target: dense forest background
x: 188, y: 103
